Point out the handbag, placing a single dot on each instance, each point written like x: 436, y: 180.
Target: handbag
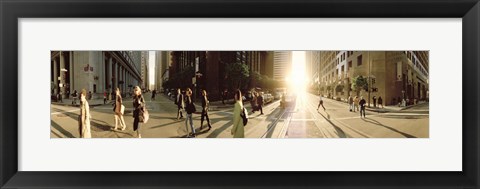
x: 244, y: 115
x: 122, y: 109
x: 145, y: 115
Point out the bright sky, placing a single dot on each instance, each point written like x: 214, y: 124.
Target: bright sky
x: 298, y: 78
x: 151, y: 67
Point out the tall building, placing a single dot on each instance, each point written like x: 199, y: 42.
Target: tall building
x: 162, y: 64
x: 144, y: 68
x: 207, y: 68
x: 393, y: 75
x: 95, y: 71
x: 312, y: 61
x: 282, y: 63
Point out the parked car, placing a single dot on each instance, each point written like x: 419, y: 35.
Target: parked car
x: 277, y: 95
x: 267, y: 98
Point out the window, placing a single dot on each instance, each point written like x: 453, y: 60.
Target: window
x: 359, y: 60
x: 349, y: 64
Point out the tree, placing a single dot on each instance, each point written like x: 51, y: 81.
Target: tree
x: 255, y: 80
x: 237, y: 75
x: 339, y: 88
x: 359, y: 83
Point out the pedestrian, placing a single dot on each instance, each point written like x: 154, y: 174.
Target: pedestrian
x: 89, y: 95
x: 380, y: 101
x: 205, y: 106
x: 404, y: 103
x: 356, y: 100
x: 104, y: 97
x: 138, y: 110
x: 253, y: 102
x: 374, y: 101
x: 362, y: 106
x: 68, y: 94
x: 154, y: 92
x: 119, y: 109
x: 350, y: 103
x: 179, y: 101
x: 190, y: 109
x: 260, y: 103
x: 224, y: 95
x: 75, y: 96
x: 321, y: 104
x: 237, y: 129
x: 59, y: 97
x: 84, y: 117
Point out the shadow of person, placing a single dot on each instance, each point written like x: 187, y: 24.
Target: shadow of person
x: 370, y: 120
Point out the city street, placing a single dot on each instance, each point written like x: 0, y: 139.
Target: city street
x: 338, y: 122
x: 300, y: 120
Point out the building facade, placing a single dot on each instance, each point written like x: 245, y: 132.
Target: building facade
x: 144, y: 67
x: 312, y: 61
x: 162, y: 64
x: 208, y: 67
x: 95, y: 71
x: 282, y: 63
x: 393, y: 75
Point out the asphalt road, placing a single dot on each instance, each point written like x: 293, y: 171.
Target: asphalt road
x: 299, y: 120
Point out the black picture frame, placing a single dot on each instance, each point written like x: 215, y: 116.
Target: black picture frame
x: 11, y: 11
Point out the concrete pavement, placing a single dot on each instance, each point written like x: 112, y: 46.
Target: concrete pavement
x: 300, y: 120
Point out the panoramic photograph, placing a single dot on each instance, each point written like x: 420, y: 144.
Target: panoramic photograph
x: 239, y: 94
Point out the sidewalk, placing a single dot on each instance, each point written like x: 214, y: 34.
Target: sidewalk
x: 421, y: 108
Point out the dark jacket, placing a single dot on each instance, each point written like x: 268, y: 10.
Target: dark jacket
x: 189, y: 106
x: 179, y: 100
x: 362, y: 103
x: 205, y: 102
x: 138, y: 107
x: 260, y: 100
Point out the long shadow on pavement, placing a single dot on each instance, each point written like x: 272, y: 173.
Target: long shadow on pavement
x: 94, y: 122
x: 273, y: 123
x: 61, y: 130
x: 369, y: 120
x: 217, y: 131
x: 339, y: 131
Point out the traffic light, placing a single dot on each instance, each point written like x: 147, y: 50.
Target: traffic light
x: 373, y: 80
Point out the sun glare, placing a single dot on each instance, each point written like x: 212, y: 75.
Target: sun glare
x: 297, y: 79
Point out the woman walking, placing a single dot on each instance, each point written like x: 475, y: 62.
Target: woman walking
x: 84, y: 122
x: 190, y: 108
x: 119, y: 110
x: 237, y: 129
x: 205, y: 105
x: 138, y: 110
x: 253, y: 102
x: 356, y: 100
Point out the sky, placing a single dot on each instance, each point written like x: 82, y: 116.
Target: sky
x: 151, y: 67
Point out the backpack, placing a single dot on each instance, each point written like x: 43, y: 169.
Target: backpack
x: 244, y: 115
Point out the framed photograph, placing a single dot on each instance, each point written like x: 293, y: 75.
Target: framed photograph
x: 162, y: 94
